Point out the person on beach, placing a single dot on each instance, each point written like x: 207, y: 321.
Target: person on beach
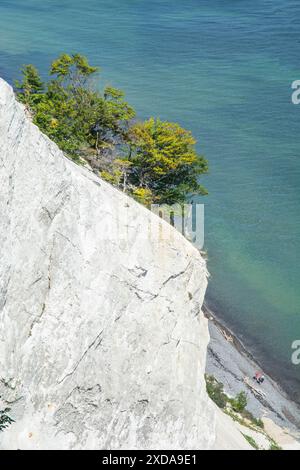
x: 259, y: 378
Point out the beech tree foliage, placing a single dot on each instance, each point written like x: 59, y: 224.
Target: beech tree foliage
x: 154, y: 161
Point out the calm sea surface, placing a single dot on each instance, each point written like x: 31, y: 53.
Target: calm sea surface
x: 224, y: 70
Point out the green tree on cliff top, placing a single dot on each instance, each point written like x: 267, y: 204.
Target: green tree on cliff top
x: 154, y: 161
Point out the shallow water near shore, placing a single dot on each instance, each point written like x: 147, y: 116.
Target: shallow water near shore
x: 223, y: 70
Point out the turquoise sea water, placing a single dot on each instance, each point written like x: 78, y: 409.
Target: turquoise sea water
x: 223, y: 69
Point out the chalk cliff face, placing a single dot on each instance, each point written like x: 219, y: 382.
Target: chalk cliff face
x: 102, y: 339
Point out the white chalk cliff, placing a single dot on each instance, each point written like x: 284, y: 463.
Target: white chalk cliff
x: 102, y: 338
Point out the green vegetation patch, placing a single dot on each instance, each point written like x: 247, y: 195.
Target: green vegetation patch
x: 274, y: 445
x: 5, y: 419
x: 235, y: 407
x: 215, y: 391
x: 251, y: 441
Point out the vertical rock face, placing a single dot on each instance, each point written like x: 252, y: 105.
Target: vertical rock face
x: 102, y: 339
